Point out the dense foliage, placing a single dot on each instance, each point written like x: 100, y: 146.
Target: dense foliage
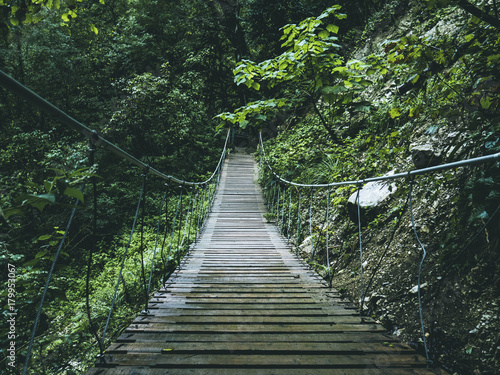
x: 430, y: 78
x: 341, y: 92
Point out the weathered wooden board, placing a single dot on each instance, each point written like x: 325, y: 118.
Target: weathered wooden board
x: 243, y: 303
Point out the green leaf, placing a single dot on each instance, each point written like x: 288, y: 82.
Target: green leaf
x: 324, y: 34
x: 37, y: 201
x: 13, y: 212
x: 486, y: 102
x: 256, y: 86
x: 48, y: 186
x: 333, y: 89
x: 94, y: 29
x: 41, y: 254
x: 394, y: 113
x: 332, y: 28
x: 75, y: 193
x: 469, y: 37
x: 44, y: 237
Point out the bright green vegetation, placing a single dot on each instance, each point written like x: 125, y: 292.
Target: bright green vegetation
x: 341, y: 92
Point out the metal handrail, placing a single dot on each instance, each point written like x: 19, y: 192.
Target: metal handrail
x: 478, y: 160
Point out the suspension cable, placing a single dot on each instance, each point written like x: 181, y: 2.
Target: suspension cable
x: 191, y: 213
x: 46, y: 288
x: 186, y: 223
x: 360, y: 252
x: 276, y: 210
x: 180, y: 228
x: 327, y: 235
x: 103, y: 337
x: 298, y: 224
x: 156, y: 244
x: 165, y: 235
x: 25, y: 93
x: 310, y: 224
x: 289, y: 214
x: 173, y: 228
x: 143, y: 273
x: 419, y: 274
x: 93, y: 180
x: 478, y: 160
x: 283, y: 210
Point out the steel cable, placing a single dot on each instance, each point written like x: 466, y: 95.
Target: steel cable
x: 156, y: 244
x: 462, y: 163
x: 276, y: 211
x: 298, y: 223
x: 179, y: 234
x: 289, y: 215
x: 186, y: 222
x: 419, y: 273
x: 143, y: 272
x: 162, y: 255
x: 103, y: 337
x: 46, y: 287
x: 92, y: 327
x: 310, y: 224
x: 22, y: 91
x: 191, y: 213
x: 283, y: 211
x: 360, y: 252
x: 327, y: 236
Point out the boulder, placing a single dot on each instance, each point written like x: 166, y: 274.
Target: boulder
x: 373, y: 198
x: 424, y: 156
x: 306, y: 246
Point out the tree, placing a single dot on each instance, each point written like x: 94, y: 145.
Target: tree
x: 312, y: 67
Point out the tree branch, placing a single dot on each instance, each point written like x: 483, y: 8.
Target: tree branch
x: 479, y: 13
x: 328, y: 128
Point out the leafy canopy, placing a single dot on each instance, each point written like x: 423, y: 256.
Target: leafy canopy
x: 310, y: 67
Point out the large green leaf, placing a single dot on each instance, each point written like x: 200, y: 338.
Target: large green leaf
x: 75, y: 193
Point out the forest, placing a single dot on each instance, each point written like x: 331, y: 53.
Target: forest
x: 340, y: 91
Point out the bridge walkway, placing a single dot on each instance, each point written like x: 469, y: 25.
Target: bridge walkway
x: 243, y: 303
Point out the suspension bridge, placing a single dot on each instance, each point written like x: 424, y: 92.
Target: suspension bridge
x: 242, y: 301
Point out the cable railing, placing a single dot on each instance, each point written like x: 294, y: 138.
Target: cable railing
x: 193, y: 215
x: 277, y: 206
x: 22, y: 91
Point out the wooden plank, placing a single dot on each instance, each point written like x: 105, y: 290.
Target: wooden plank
x: 275, y: 348
x: 170, y: 359
x: 258, y: 328
x: 146, y: 370
x: 262, y: 337
x: 252, y: 319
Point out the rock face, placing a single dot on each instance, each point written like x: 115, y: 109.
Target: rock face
x: 372, y: 200
x: 424, y: 156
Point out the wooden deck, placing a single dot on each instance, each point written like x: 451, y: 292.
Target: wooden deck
x: 243, y: 303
